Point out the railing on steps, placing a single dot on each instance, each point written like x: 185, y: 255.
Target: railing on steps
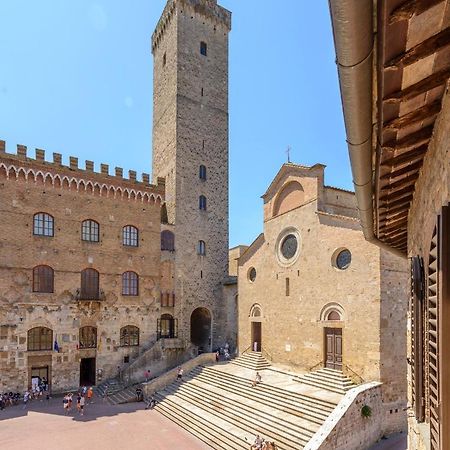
x: 355, y: 377
x: 319, y: 365
x: 266, y: 354
x: 246, y: 350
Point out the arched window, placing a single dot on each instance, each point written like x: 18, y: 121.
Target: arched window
x: 130, y: 283
x: 333, y: 315
x: 167, y: 327
x: 130, y: 236
x: 201, y: 248
x: 88, y: 337
x: 202, y: 203
x: 90, y: 231
x: 90, y: 284
x: 40, y: 338
x: 43, y: 225
x: 167, y: 241
x: 129, y: 336
x: 43, y: 277
x: 202, y: 173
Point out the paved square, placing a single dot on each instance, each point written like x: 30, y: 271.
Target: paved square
x: 129, y: 426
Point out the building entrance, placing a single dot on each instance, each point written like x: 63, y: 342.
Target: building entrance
x: 256, y: 336
x: 87, y: 372
x: 38, y: 375
x: 333, y: 348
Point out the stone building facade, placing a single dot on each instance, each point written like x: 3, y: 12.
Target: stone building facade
x: 190, y: 150
x: 97, y: 270
x: 314, y: 293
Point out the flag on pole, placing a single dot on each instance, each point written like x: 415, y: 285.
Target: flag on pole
x: 55, y: 345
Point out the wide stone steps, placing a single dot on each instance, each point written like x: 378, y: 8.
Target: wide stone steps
x: 226, y: 412
x: 252, y: 360
x: 126, y: 395
x: 247, y: 418
x: 328, y: 379
x: 312, y: 409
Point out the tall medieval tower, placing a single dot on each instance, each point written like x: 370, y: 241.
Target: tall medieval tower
x: 190, y: 150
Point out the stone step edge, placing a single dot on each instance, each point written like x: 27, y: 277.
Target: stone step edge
x: 265, y: 424
x: 240, y: 428
x: 272, y: 389
x: 338, y: 383
x: 280, y: 421
x: 306, y: 411
x: 328, y: 376
x: 321, y: 386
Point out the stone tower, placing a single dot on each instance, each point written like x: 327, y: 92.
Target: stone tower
x: 190, y: 150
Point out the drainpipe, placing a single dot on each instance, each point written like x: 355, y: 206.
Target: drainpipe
x: 352, y: 22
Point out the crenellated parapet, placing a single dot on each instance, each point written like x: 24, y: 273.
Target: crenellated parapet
x: 207, y: 8
x: 37, y: 170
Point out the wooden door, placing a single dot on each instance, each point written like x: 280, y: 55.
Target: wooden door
x: 333, y: 348
x: 256, y: 336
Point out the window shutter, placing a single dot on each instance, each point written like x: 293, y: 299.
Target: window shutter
x: 432, y: 343
x: 417, y: 358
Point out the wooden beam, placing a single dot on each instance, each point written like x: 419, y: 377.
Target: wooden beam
x: 434, y: 80
x: 394, y: 222
x: 420, y: 51
x: 392, y: 211
x: 393, y: 234
x: 407, y: 181
x: 397, y: 202
x: 415, y: 139
x: 410, y: 169
x: 410, y: 156
x: 395, y: 194
x: 410, y: 8
x: 418, y: 115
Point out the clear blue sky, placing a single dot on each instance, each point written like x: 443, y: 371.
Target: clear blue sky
x: 76, y: 78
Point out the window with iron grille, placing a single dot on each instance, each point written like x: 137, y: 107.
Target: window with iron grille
x: 202, y: 172
x: 129, y: 336
x: 90, y: 284
x: 167, y: 241
x: 130, y: 283
x: 167, y: 327
x: 88, y: 337
x: 43, y: 277
x: 202, y: 203
x: 40, y: 338
x: 201, y: 248
x: 43, y: 225
x: 130, y: 236
x: 90, y: 231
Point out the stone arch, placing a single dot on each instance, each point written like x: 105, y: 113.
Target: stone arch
x: 256, y: 313
x: 290, y: 197
x: 333, y: 312
x: 201, y: 329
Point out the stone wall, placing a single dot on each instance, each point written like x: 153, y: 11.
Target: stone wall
x: 432, y: 192
x: 346, y: 428
x: 190, y: 129
x: 22, y: 194
x: 295, y: 296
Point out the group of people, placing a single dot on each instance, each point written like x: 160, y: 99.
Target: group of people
x: 9, y: 399
x: 84, y: 396
x: 262, y: 444
x: 37, y: 391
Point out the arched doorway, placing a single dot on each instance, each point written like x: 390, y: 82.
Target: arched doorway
x: 332, y: 316
x: 256, y: 328
x: 201, y: 329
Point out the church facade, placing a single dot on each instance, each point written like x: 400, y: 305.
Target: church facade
x: 313, y: 293
x: 97, y: 270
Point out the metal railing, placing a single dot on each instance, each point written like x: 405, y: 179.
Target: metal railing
x: 354, y: 376
x: 316, y: 366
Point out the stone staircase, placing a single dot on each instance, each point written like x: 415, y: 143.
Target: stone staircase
x: 328, y: 379
x: 117, y: 392
x: 222, y: 409
x: 252, y: 360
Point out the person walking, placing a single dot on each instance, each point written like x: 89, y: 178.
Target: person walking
x: 90, y: 394
x: 147, y: 375
x: 82, y: 403
x: 66, y: 404
x: 26, y: 398
x: 180, y: 374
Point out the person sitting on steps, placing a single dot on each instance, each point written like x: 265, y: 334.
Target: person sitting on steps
x: 257, y: 379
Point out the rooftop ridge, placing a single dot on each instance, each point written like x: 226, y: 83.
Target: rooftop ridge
x: 56, y: 164
x: 208, y: 8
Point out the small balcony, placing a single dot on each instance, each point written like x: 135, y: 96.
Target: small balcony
x: 90, y: 295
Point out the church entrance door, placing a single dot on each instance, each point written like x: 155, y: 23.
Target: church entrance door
x: 333, y: 348
x: 256, y: 336
x: 87, y: 372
